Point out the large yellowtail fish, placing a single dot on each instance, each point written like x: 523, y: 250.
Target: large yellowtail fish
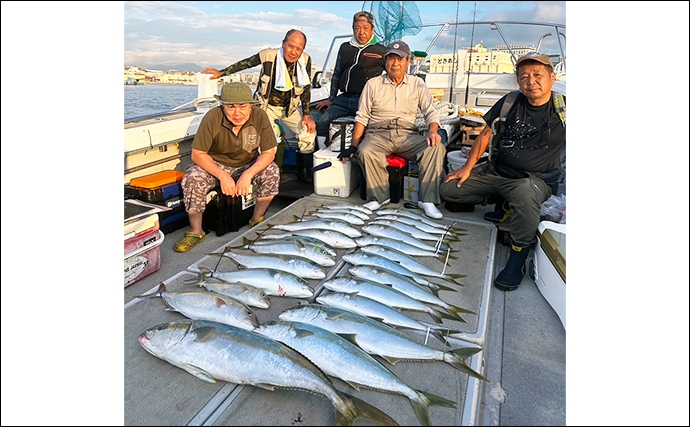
x: 212, y: 351
x: 379, y: 339
x: 300, y: 267
x: 334, y: 225
x: 290, y: 248
x: 332, y: 238
x: 339, y: 358
x: 410, y: 262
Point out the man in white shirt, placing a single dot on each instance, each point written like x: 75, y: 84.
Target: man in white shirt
x: 388, y: 109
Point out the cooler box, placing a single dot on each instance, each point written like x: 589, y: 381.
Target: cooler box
x: 225, y: 213
x: 135, y: 240
x: 143, y: 261
x: 549, y: 265
x: 165, y: 189
x: 337, y: 180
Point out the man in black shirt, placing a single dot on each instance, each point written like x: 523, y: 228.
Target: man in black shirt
x: 526, y: 164
x: 358, y: 60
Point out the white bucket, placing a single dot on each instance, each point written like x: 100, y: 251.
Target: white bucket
x: 456, y: 160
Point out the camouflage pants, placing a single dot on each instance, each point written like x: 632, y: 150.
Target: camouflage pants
x: 197, y: 182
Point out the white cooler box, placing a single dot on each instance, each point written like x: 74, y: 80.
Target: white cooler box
x: 337, y: 180
x: 549, y: 265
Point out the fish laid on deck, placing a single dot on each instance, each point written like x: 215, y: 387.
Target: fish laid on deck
x: 298, y: 266
x: 333, y: 238
x: 340, y: 358
x: 333, y: 225
x: 208, y: 306
x: 406, y: 248
x: 291, y: 248
x: 273, y: 282
x: 213, y: 351
x: 411, y: 263
x: 377, y: 338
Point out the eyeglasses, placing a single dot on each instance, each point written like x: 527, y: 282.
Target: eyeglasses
x: 293, y: 47
x: 241, y: 107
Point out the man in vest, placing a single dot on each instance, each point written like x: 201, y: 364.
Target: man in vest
x: 284, y: 84
x: 358, y: 60
x: 525, y: 169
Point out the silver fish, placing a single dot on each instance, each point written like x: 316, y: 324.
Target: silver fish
x: 403, y: 247
x: 273, y: 282
x: 339, y: 358
x: 264, y: 240
x: 298, y: 266
x: 383, y: 294
x: 335, y: 239
x: 376, y: 310
x: 361, y: 215
x: 245, y: 294
x: 341, y: 216
x: 410, y: 262
x: 377, y: 338
x: 290, y: 248
x: 209, y: 306
x: 212, y: 351
x: 416, y: 217
x: 411, y: 230
x: 407, y: 286
x: 334, y: 225
x: 418, y: 224
x: 392, y: 233
x: 360, y: 208
x: 362, y: 258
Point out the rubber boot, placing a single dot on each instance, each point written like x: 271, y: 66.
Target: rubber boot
x: 501, y: 212
x: 307, y: 162
x: 300, y: 167
x: 509, y: 279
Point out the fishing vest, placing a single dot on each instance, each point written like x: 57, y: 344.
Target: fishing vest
x: 359, y: 65
x: 263, y: 88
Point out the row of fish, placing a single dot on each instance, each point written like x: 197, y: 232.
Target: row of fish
x: 356, y: 319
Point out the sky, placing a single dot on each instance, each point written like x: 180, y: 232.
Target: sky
x: 215, y: 34
x: 62, y: 97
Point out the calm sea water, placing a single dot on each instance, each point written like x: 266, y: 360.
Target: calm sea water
x: 151, y: 99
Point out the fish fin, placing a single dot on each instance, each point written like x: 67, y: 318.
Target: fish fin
x: 354, y: 385
x: 437, y: 316
x: 349, y: 337
x: 199, y: 373
x: 296, y: 218
x: 454, y: 315
x: 161, y: 289
x: 444, y: 288
x: 435, y: 400
x: 302, y: 333
x: 204, y: 333
x: 391, y: 360
x: 268, y: 387
x: 364, y: 410
x: 219, y: 302
x: 200, y: 278
x: 457, y: 358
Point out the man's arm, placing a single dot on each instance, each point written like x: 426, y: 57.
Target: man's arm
x: 478, y: 148
x: 250, y: 62
x: 203, y: 159
x: 245, y: 181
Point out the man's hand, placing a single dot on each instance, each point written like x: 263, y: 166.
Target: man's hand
x: 309, y: 124
x: 345, y: 155
x: 460, y: 174
x: 323, y: 104
x: 216, y: 73
x: 433, y: 139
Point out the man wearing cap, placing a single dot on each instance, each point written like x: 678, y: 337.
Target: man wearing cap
x: 388, y: 109
x: 234, y: 148
x: 525, y: 168
x: 284, y: 84
x: 358, y: 60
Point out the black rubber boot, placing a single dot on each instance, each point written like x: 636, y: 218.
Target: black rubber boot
x: 305, y: 161
x: 509, y: 279
x: 501, y: 212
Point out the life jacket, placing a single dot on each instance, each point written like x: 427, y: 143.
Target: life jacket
x: 268, y: 61
x: 498, y: 126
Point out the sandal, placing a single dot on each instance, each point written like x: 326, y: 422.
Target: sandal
x: 253, y: 223
x: 189, y: 241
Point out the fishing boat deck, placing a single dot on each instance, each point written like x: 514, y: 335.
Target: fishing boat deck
x: 524, y: 359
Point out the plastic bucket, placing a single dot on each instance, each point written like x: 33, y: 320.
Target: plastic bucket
x: 456, y: 160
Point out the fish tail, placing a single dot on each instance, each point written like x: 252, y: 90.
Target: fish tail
x: 457, y: 359
x: 444, y: 288
x: 200, y: 277
x: 363, y: 410
x: 452, y: 310
x: 161, y: 289
x: 423, y: 401
x: 457, y: 310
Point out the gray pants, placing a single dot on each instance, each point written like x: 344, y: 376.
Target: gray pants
x: 377, y: 144
x: 525, y: 195
x: 196, y: 183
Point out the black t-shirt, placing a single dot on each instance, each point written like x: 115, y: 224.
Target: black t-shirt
x: 533, y: 140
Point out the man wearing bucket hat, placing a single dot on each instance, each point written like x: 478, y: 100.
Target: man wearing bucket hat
x: 284, y: 84
x: 388, y: 110
x: 528, y: 141
x: 234, y: 147
x: 358, y: 60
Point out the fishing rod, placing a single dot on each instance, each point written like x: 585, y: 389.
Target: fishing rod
x: 469, y: 65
